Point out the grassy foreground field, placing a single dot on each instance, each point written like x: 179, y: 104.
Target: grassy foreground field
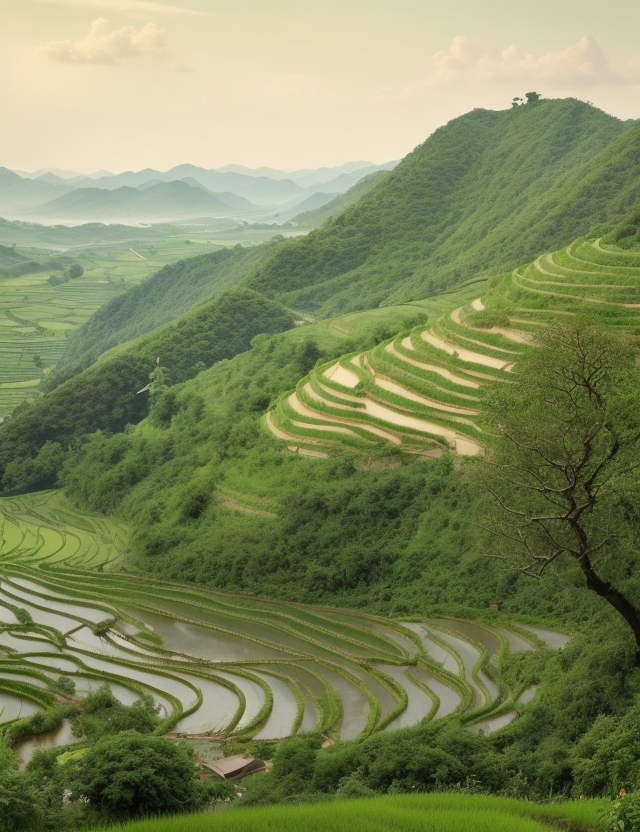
x: 426, y: 813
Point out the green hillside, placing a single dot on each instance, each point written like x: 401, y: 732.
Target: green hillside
x: 482, y: 194
x: 9, y: 256
x: 422, y: 391
x: 165, y: 296
x: 324, y: 461
x: 314, y: 218
x: 105, y: 397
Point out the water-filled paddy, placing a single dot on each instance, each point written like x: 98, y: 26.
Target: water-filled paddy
x: 221, y: 663
x: 61, y: 736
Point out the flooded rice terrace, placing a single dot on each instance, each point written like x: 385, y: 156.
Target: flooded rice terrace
x: 218, y: 664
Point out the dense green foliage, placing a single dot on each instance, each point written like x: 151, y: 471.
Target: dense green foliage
x: 212, y: 498
x: 559, y: 469
x: 117, y: 771
x: 130, y: 775
x: 315, y: 217
x: 627, y: 234
x: 174, y: 290
x: 19, y: 808
x: 103, y: 398
x: 486, y: 192
x: 215, y: 330
x: 106, y: 398
x: 102, y: 714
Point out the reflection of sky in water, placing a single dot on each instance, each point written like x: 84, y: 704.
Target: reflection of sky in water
x: 438, y: 653
x: 22, y: 677
x: 355, y: 704
x: 469, y: 656
x: 419, y: 704
x: 6, y: 616
x: 283, y: 712
x: 471, y: 631
x: 550, y: 637
x: 202, y: 642
x: 156, y: 680
x: 27, y: 645
x: 488, y: 726
x: 219, y: 705
x: 449, y: 699
x: 50, y: 619
x: 254, y: 695
x: 13, y: 707
x: 63, y: 735
x: 69, y: 607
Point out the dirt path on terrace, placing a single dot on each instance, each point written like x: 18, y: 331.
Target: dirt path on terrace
x: 539, y: 268
x: 338, y: 374
x: 512, y: 334
x: 572, y: 297
x: 308, y: 389
x: 288, y: 437
x: 303, y: 410
x: 463, y: 354
x: 229, y: 502
x: 598, y: 247
x: 463, y: 446
x: 406, y: 343
x: 280, y: 434
x: 330, y: 391
x: 392, y: 387
x: 329, y: 428
x: 488, y: 346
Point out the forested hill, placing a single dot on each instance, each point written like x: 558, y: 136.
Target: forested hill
x: 104, y: 397
x: 172, y: 291
x: 486, y: 192
x: 8, y: 256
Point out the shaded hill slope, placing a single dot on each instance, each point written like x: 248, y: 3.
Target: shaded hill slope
x: 105, y: 397
x: 9, y: 256
x: 162, y: 298
x: 485, y: 192
x: 162, y: 200
x: 314, y: 217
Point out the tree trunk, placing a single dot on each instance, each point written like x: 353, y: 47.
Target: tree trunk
x: 613, y: 597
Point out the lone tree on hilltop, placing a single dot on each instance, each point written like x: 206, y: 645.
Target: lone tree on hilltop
x: 532, y: 97
x: 563, y: 443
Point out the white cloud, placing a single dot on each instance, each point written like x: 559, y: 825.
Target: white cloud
x: 130, y: 6
x: 583, y: 64
x: 101, y: 46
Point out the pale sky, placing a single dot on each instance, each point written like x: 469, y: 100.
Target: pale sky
x: 128, y: 84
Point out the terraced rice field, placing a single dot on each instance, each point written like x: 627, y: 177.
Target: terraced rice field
x: 224, y: 664
x: 422, y: 391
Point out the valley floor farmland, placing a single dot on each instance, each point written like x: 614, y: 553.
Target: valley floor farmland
x: 220, y: 663
x: 37, y: 318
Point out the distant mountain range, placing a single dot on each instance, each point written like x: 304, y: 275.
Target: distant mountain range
x: 184, y: 192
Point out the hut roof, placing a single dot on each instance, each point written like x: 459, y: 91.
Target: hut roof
x: 231, y: 768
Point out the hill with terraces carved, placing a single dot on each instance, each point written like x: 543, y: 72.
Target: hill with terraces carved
x: 281, y: 544
x: 422, y: 390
